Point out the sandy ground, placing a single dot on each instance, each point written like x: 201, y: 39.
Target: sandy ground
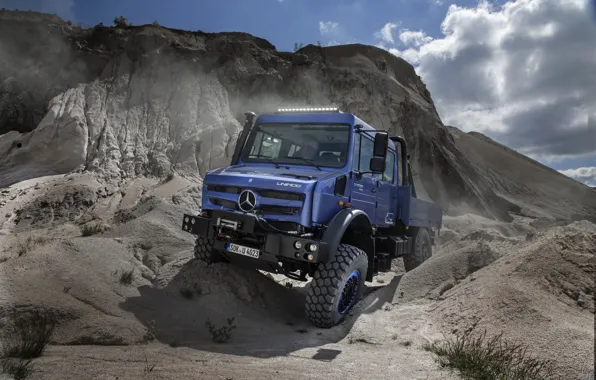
x: 535, y: 284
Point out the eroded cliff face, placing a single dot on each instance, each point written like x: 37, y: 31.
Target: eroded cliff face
x: 144, y: 101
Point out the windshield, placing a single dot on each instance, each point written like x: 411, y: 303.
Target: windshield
x: 323, y: 145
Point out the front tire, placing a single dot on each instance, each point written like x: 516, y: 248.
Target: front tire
x: 204, y: 251
x: 336, y: 286
x: 422, y: 250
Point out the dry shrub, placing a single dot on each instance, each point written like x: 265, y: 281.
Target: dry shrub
x: 24, y: 338
x: 221, y: 334
x: 93, y: 229
x: 26, y: 245
x: 482, y: 358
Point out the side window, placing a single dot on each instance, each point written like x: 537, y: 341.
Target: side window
x: 389, y: 166
x: 366, y: 153
x: 254, y: 150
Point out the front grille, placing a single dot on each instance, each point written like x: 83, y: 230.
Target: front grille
x: 262, y: 192
x: 225, y: 189
x: 281, y: 195
x: 270, y: 209
x: 223, y: 203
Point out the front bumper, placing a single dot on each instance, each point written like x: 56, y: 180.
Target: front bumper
x: 273, y: 247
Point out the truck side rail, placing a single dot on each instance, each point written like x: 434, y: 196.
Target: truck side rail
x: 416, y: 212
x: 425, y: 214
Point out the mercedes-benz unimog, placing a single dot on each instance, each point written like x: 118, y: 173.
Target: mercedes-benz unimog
x: 315, y: 193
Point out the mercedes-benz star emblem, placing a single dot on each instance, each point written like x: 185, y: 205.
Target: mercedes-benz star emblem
x: 247, y: 201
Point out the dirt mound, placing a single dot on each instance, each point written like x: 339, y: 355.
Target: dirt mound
x: 59, y: 205
x: 466, y: 224
x: 82, y: 277
x: 443, y: 271
x: 251, y: 287
x: 186, y: 293
x: 540, y: 293
x: 109, y: 286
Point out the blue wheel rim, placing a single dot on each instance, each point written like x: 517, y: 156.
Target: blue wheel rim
x: 349, y: 292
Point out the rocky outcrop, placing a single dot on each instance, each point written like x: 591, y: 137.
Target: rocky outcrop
x: 147, y: 100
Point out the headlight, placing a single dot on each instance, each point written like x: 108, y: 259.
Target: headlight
x: 311, y: 247
x: 297, y: 244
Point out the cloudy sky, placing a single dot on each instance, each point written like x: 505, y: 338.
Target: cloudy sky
x: 523, y: 72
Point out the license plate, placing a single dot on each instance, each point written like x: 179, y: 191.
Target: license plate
x: 242, y: 250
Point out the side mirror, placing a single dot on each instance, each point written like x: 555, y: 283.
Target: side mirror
x: 377, y: 165
x: 381, y: 144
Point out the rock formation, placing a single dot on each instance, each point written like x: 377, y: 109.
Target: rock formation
x: 146, y: 100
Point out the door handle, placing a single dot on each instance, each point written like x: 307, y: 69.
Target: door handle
x: 373, y: 190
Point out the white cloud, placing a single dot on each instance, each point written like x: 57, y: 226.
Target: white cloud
x: 386, y: 33
x: 522, y: 73
x: 328, y: 28
x: 586, y: 175
x: 415, y: 39
x: 410, y: 55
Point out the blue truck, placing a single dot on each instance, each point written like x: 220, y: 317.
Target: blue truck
x: 320, y: 193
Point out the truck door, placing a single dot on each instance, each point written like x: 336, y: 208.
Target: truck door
x: 364, y: 186
x: 387, y: 193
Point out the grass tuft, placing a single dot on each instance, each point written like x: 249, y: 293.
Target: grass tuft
x: 19, y: 369
x: 482, y: 358
x: 221, y: 334
x: 26, y: 245
x: 23, y: 339
x: 92, y: 229
x: 27, y: 334
x: 127, y: 276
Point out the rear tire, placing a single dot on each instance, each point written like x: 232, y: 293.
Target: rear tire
x: 204, y: 251
x: 422, y: 250
x: 336, y: 286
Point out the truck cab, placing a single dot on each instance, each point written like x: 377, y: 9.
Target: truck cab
x: 315, y: 192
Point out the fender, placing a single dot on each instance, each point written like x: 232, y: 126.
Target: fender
x: 341, y: 222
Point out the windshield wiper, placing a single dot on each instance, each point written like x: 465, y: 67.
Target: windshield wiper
x: 298, y: 176
x: 268, y: 159
x: 308, y: 160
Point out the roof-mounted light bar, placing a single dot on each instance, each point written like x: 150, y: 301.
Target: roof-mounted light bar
x: 309, y: 110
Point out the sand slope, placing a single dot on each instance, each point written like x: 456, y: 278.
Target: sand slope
x: 104, y: 324
x: 539, y: 190
x: 535, y: 284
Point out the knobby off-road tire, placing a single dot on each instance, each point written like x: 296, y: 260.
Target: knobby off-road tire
x: 336, y: 287
x: 422, y: 250
x: 204, y: 251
